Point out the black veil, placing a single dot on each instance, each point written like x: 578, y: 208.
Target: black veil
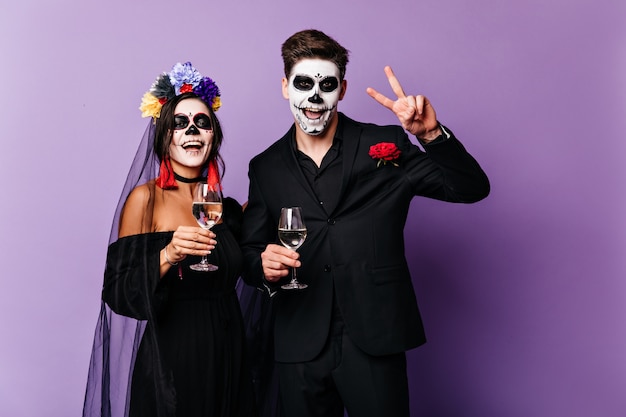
x: 117, y: 337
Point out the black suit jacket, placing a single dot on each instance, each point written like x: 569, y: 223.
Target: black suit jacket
x: 357, y: 250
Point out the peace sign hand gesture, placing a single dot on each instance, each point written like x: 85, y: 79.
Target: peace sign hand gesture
x: 415, y: 113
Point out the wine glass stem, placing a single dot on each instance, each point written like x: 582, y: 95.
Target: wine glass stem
x: 293, y: 275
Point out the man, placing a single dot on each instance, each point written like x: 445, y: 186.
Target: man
x: 341, y: 342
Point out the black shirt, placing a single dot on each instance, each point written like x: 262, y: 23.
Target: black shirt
x: 325, y: 180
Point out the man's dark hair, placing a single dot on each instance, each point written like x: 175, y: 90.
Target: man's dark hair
x: 312, y: 43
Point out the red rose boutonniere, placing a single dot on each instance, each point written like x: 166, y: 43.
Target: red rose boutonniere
x: 385, y: 152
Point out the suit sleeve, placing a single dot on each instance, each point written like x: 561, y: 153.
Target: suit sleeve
x: 446, y: 171
x: 257, y: 231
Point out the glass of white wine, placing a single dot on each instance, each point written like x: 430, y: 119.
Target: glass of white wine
x: 292, y: 233
x: 207, y: 209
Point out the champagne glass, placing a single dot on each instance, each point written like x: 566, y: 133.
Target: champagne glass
x: 292, y: 232
x: 207, y: 209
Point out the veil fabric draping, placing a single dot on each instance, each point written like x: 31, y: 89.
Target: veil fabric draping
x: 117, y: 337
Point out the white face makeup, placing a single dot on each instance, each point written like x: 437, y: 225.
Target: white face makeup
x: 192, y: 133
x: 314, y: 89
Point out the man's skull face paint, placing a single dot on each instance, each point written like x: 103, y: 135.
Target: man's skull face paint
x: 192, y: 133
x: 314, y: 91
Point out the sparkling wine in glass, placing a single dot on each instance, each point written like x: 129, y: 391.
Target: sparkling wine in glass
x: 207, y: 209
x: 292, y: 233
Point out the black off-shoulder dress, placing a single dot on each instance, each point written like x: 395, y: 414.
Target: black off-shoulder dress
x: 191, y: 359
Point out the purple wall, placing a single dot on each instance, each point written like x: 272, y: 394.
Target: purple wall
x: 523, y: 294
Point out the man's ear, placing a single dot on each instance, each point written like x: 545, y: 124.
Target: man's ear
x: 285, y: 83
x: 344, y: 87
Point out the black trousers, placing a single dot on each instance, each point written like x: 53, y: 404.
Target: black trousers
x: 343, y: 376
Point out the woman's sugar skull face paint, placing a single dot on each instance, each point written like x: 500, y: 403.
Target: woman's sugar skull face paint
x: 314, y: 89
x: 192, y: 133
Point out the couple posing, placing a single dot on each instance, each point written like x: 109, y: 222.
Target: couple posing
x: 170, y: 341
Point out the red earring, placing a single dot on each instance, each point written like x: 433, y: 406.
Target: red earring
x: 213, y: 177
x: 166, y: 180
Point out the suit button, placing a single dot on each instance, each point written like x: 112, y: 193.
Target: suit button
x: 330, y: 221
x: 326, y: 268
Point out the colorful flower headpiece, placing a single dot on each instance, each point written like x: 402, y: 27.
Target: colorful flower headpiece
x: 183, y: 78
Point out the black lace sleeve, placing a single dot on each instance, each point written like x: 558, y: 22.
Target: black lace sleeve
x: 131, y: 275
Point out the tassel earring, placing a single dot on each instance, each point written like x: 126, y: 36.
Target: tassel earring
x: 213, y: 177
x: 166, y: 180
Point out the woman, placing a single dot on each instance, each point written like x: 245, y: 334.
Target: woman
x: 170, y: 341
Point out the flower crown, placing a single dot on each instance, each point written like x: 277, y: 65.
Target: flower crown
x: 183, y: 78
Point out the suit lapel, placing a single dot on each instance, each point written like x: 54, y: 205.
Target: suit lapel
x: 288, y: 154
x: 351, y: 136
x: 350, y: 132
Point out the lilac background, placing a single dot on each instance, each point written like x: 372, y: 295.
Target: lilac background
x: 523, y: 294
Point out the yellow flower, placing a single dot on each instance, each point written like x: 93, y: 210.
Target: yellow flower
x: 217, y: 103
x: 150, y: 106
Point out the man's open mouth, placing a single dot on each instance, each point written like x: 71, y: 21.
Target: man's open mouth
x: 313, y: 114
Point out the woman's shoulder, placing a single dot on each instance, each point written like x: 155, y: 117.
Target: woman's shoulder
x: 134, y: 218
x: 141, y: 193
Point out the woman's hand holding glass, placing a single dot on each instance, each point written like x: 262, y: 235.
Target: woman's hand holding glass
x: 190, y: 240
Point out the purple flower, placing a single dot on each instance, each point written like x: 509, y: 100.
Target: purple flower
x: 207, y: 90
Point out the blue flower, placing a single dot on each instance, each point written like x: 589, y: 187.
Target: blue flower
x: 184, y: 74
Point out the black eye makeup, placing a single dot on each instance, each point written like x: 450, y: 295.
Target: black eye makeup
x: 304, y: 83
x: 329, y: 84
x: 201, y: 120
